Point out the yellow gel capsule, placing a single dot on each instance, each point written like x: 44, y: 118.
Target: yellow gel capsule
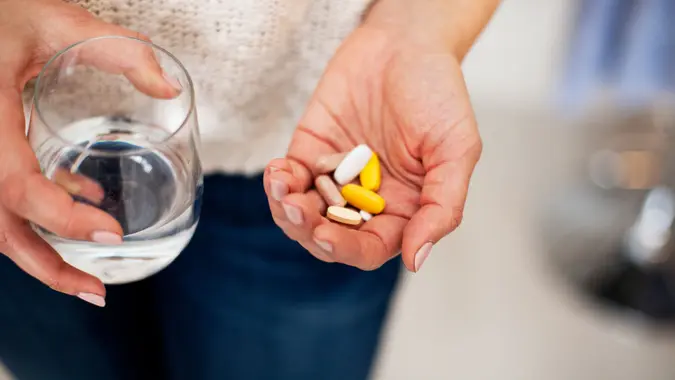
x: 363, y: 199
x: 370, y: 175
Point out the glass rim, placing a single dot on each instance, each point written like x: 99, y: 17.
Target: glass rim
x: 78, y: 147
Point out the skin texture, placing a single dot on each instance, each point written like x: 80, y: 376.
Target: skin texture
x: 395, y: 84
x: 26, y: 43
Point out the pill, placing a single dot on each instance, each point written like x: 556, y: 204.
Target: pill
x: 327, y: 164
x: 363, y: 199
x: 352, y: 164
x: 343, y: 215
x: 329, y: 191
x: 370, y: 176
x: 366, y: 215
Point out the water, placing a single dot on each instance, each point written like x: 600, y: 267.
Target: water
x: 153, y: 193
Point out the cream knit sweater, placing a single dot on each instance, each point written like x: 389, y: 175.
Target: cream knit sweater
x: 254, y: 64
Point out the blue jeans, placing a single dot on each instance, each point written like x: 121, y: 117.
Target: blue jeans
x: 242, y: 302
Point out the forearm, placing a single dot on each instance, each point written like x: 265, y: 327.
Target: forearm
x: 454, y: 23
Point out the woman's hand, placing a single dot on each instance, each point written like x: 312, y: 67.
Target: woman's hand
x: 31, y: 31
x: 405, y: 98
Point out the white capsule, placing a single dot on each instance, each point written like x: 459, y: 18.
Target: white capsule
x: 366, y: 215
x: 352, y: 165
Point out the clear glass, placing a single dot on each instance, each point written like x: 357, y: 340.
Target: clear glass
x: 112, y: 146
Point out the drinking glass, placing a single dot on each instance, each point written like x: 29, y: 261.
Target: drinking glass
x: 100, y: 132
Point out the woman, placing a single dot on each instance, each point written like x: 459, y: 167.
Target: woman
x: 243, y: 301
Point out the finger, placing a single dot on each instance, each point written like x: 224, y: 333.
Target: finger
x: 446, y: 183
x: 17, y: 240
x: 35, y: 198
x: 79, y: 185
x: 304, y: 212
x: 367, y: 248
x: 298, y: 213
x: 317, y: 137
x: 34, y: 256
x: 279, y: 180
x: 316, y: 251
x: 136, y: 61
x: 290, y: 215
x: 27, y: 193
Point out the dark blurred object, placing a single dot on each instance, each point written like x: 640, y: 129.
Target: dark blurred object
x: 642, y: 277
x: 613, y: 235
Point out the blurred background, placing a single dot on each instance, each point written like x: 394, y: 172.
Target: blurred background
x: 544, y: 279
x: 562, y: 268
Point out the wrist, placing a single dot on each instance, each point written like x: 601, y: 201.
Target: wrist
x: 451, y: 26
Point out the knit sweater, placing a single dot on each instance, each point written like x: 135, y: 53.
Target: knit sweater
x: 254, y: 64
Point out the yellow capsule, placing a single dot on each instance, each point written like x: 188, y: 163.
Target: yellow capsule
x: 363, y: 199
x: 370, y: 175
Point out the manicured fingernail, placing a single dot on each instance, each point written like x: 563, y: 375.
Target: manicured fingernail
x: 173, y: 82
x: 72, y: 187
x: 293, y: 214
x: 279, y: 190
x: 105, y: 237
x: 422, y: 255
x: 326, y: 246
x: 93, y: 299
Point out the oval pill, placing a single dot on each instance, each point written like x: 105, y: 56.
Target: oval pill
x: 329, y: 163
x: 329, y: 191
x: 363, y: 199
x: 371, y: 175
x: 343, y: 215
x: 352, y: 164
x: 366, y: 215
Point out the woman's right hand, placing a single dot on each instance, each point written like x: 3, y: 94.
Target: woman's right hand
x: 31, y: 31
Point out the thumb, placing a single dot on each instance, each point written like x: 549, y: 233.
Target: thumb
x: 17, y: 240
x: 448, y: 167
x: 136, y: 60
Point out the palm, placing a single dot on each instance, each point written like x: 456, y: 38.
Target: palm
x: 406, y: 103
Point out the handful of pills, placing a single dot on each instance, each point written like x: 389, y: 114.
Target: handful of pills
x: 361, y: 162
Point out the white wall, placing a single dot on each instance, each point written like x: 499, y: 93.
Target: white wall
x: 516, y: 62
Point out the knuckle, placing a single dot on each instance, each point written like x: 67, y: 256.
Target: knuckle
x: 5, y: 242
x: 54, y: 284
x: 456, y: 218
x: 369, y: 266
x: 369, y: 263
x: 278, y: 163
x: 477, y: 147
x: 142, y: 37
x: 14, y: 194
x: 67, y: 226
x: 54, y: 280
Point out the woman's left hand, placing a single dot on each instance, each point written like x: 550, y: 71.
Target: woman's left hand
x: 407, y: 100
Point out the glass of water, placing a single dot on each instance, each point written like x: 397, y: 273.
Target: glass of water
x: 113, y: 122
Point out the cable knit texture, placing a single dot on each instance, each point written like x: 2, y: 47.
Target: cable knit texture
x: 254, y: 63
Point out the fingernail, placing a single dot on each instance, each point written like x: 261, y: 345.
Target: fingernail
x: 326, y: 246
x: 279, y: 190
x: 72, y: 187
x: 273, y: 169
x: 105, y: 237
x: 175, y: 83
x: 93, y: 299
x: 293, y: 214
x: 422, y: 255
